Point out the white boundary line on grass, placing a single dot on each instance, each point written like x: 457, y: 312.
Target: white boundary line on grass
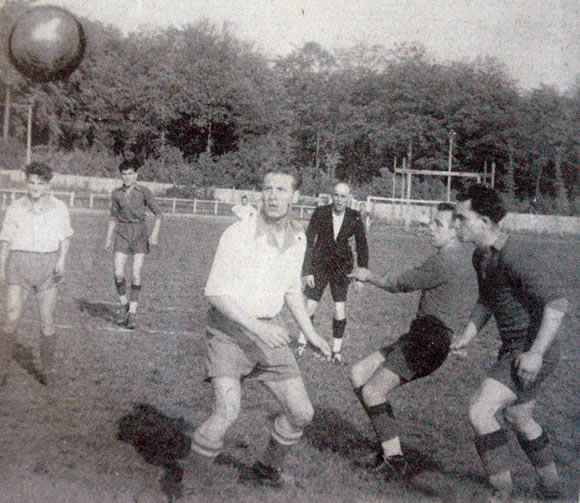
x: 118, y: 329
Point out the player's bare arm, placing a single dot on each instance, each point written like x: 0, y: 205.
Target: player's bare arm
x: 295, y: 303
x: 154, y: 237
x: 480, y: 315
x: 529, y: 364
x: 268, y: 333
x: 62, y: 254
x: 110, y: 228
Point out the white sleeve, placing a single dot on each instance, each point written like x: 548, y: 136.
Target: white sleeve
x: 224, y: 271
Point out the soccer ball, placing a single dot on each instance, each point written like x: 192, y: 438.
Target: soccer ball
x: 46, y: 43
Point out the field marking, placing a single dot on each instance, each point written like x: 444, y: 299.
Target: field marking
x: 120, y: 329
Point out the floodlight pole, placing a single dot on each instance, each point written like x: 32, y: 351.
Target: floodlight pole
x: 7, y: 100
x: 449, y: 165
x: 29, y: 135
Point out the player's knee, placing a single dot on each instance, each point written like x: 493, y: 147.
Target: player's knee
x: 302, y: 416
x: 357, y: 375
x: 480, y: 413
x: 520, y: 420
x: 373, y: 394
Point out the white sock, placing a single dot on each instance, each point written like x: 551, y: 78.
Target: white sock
x: 336, y: 345
x: 301, y: 339
x: 392, y: 447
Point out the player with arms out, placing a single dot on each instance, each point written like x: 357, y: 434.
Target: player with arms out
x: 424, y: 348
x: 520, y: 289
x: 34, y: 244
x: 256, y: 269
x: 128, y: 226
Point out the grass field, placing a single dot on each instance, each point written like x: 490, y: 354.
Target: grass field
x: 60, y: 444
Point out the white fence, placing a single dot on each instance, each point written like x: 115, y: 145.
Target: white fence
x: 389, y: 211
x: 173, y: 206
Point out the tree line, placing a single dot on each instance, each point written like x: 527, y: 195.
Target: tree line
x: 203, y: 108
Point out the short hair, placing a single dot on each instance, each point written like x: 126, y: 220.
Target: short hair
x: 340, y: 182
x: 244, y: 197
x: 286, y: 170
x: 43, y: 171
x: 128, y: 164
x: 484, y: 200
x: 445, y: 207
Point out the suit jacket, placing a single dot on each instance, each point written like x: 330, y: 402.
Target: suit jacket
x: 323, y: 251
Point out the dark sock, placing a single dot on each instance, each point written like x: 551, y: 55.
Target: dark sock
x: 383, y: 421
x: 274, y: 454
x: 493, y: 451
x: 121, y: 286
x: 338, y: 327
x: 539, y: 450
x: 135, y: 291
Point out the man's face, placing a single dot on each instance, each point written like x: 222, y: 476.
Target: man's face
x: 470, y: 225
x: 129, y: 177
x: 278, y: 194
x: 36, y: 186
x: 340, y: 196
x: 244, y: 201
x: 442, y: 229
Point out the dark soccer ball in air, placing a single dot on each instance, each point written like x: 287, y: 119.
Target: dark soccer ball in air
x: 47, y: 43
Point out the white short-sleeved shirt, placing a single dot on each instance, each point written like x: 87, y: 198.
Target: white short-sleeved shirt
x: 253, y: 268
x: 36, y: 230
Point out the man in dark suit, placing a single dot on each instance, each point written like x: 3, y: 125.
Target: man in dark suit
x: 329, y: 259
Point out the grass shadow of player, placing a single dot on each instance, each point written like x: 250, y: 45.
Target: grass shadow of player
x: 329, y: 430
x: 160, y: 440
x: 101, y: 310
x: 24, y: 357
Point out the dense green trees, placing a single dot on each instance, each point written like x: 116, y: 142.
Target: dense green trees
x: 202, y: 108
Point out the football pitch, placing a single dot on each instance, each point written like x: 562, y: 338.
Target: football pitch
x: 77, y: 441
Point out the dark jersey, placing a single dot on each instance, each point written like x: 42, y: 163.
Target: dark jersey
x: 128, y: 205
x: 515, y: 284
x: 442, y: 279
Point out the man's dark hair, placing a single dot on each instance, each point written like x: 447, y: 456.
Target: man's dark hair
x: 445, y: 207
x: 287, y: 170
x: 43, y: 171
x: 485, y: 201
x: 128, y: 164
x: 244, y: 197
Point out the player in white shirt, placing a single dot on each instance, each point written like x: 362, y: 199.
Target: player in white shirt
x: 34, y: 243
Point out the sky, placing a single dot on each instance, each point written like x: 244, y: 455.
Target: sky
x: 537, y: 40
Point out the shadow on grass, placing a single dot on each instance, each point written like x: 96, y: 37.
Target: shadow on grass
x: 161, y: 440
x: 101, y: 310
x: 24, y: 357
x: 329, y: 430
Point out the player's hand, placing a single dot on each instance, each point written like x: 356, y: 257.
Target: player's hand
x: 358, y: 285
x: 360, y: 274
x: 107, y: 244
x: 309, y: 280
x: 274, y: 336
x: 528, y: 366
x: 458, y: 344
x: 153, y: 241
x: 59, y: 268
x: 321, y: 344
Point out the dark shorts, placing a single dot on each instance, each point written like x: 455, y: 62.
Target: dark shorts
x: 504, y: 370
x: 338, y: 285
x: 131, y: 238
x: 419, y: 352
x: 230, y: 353
x: 32, y: 271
